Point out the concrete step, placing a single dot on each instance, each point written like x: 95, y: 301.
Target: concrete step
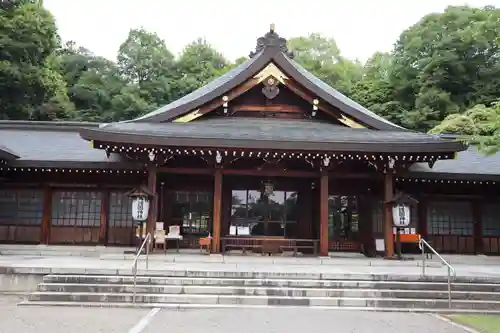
x: 309, y: 275
x: 264, y: 291
x: 262, y: 300
x: 225, y: 306
x: 269, y: 282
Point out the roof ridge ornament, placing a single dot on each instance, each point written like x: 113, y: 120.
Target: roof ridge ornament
x: 271, y: 39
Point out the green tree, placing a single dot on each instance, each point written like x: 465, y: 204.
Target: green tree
x: 92, y: 82
x: 480, y: 125
x: 144, y: 60
x: 198, y: 64
x: 374, y: 89
x: 477, y: 121
x: 30, y: 85
x: 446, y: 63
x: 321, y: 56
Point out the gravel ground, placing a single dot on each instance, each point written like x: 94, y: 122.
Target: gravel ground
x: 295, y: 321
x: 31, y: 319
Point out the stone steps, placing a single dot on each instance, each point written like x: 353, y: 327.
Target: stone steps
x: 269, y: 282
x: 262, y: 291
x: 263, y: 300
x: 213, y: 289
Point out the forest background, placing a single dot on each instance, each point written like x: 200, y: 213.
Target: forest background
x: 442, y: 75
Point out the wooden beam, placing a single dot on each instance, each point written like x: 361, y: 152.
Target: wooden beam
x: 271, y: 173
x: 478, y: 226
x: 268, y: 108
x: 323, y: 215
x: 103, y: 226
x: 150, y: 224
x: 216, y: 103
x: 217, y: 211
x: 46, y: 216
x: 422, y: 217
x: 268, y: 173
x: 297, y: 89
x: 388, y: 222
x: 187, y: 171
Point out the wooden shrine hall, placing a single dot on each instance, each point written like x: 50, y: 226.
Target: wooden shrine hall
x: 265, y: 156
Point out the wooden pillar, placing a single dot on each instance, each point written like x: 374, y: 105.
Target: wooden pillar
x: 46, y: 216
x: 478, y: 227
x: 226, y: 208
x: 323, y: 215
x: 150, y: 224
x: 103, y: 226
x: 422, y: 218
x: 217, y: 210
x: 388, y: 222
x: 366, y: 225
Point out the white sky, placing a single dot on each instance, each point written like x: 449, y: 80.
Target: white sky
x: 360, y: 27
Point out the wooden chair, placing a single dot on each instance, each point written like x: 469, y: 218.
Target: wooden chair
x: 205, y: 244
x: 159, y: 236
x: 174, y: 233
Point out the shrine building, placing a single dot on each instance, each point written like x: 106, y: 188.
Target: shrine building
x: 266, y: 151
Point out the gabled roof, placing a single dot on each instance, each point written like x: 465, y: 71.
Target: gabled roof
x: 52, y: 144
x: 7, y: 154
x: 58, y: 144
x: 171, y: 125
x: 270, y: 49
x: 469, y: 164
x: 269, y: 133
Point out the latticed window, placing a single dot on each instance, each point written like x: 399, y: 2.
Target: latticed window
x: 194, y: 211
x: 21, y: 207
x: 275, y: 214
x: 80, y: 209
x: 491, y: 219
x: 450, y: 218
x: 120, y: 210
x: 342, y: 216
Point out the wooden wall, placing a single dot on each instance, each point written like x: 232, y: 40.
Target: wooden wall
x: 455, y: 218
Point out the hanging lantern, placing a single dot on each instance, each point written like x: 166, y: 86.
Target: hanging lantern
x: 268, y: 188
x: 401, y: 204
x: 401, y: 215
x: 141, y: 199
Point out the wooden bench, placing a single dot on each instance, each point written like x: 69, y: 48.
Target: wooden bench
x: 297, y: 244
x: 268, y: 244
x: 240, y: 243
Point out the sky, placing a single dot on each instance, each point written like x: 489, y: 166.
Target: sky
x: 360, y: 27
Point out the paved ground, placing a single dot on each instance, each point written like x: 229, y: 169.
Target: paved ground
x: 15, y: 319
x: 162, y: 262
x: 296, y: 321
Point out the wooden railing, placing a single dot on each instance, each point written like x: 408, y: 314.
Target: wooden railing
x: 269, y: 244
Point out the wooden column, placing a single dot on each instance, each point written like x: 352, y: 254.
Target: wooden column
x: 46, y: 216
x: 323, y: 215
x: 478, y: 227
x: 103, y: 226
x: 150, y: 224
x: 217, y: 210
x: 422, y: 218
x: 366, y: 225
x: 388, y: 222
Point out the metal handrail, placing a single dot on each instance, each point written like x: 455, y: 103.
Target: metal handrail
x: 147, y: 240
x: 422, y: 244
